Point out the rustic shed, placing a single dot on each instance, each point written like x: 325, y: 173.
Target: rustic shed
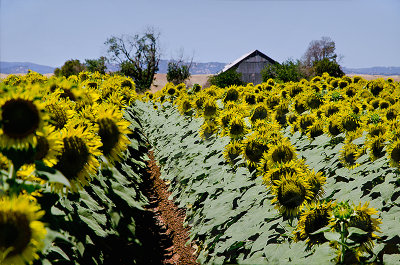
x: 250, y: 66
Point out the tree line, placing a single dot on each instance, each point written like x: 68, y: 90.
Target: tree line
x: 138, y: 57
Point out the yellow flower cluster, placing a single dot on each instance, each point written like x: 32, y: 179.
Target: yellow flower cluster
x: 73, y: 125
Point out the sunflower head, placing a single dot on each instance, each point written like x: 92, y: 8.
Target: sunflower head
x: 21, y: 234
x: 305, y: 122
x: 210, y: 108
x: 315, y: 216
x: 232, y: 151
x: 316, y: 129
x: 349, y: 122
x: 393, y: 153
x: 21, y: 116
x: 291, y: 193
x: 253, y: 148
x: 316, y: 182
x: 375, y: 146
x: 343, y: 211
x: 208, y: 129
x: 237, y: 128
x: 349, y: 154
x: 281, y: 153
x: 232, y: 94
x: 259, y: 112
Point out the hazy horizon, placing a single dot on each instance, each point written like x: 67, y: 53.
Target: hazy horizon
x: 45, y: 32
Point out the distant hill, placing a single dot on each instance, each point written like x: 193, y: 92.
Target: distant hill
x: 23, y: 67
x: 379, y: 70
x: 196, y: 69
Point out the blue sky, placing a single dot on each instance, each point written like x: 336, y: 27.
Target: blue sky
x: 49, y: 32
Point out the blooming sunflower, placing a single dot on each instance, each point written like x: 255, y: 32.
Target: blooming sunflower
x: 22, y: 114
x: 208, y: 129
x: 317, y: 182
x: 113, y: 130
x: 232, y: 94
x: 48, y: 146
x: 362, y: 219
x: 60, y: 111
x: 77, y: 160
x: 291, y: 193
x: 270, y: 175
x: 21, y: 232
x: 260, y: 112
x: 315, y: 216
x: 232, y: 151
x: 210, y: 108
x: 223, y: 120
x: 375, y: 146
x: 283, y: 152
x: 349, y: 154
x: 237, y: 127
x: 253, y: 148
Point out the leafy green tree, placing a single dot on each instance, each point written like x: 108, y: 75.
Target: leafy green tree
x: 177, y: 72
x: 227, y: 78
x: 137, y: 55
x: 70, y: 67
x: 327, y: 66
x: 284, y: 72
x: 96, y: 65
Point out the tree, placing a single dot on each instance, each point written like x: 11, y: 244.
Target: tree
x: 138, y: 56
x: 320, y: 55
x: 177, y: 72
x: 96, y: 65
x: 285, y: 72
x: 70, y: 67
x: 226, y: 79
x: 327, y: 66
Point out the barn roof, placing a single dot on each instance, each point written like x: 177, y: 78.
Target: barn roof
x: 244, y: 57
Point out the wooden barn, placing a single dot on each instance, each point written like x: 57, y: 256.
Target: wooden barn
x: 250, y: 66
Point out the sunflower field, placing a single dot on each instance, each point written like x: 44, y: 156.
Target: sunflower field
x: 276, y: 173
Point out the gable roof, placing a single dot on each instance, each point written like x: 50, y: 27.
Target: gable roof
x: 244, y: 57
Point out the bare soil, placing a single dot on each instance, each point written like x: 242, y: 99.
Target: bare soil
x: 169, y: 218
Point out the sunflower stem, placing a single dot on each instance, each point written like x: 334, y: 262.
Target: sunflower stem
x: 342, y: 241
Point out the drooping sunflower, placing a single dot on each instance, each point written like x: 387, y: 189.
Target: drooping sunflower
x: 22, y: 114
x: 210, y: 108
x: 291, y: 193
x: 78, y: 159
x: 184, y: 105
x: 232, y: 94
x: 21, y: 232
x: 316, y: 129
x: 113, y: 130
x: 348, y: 121
x: 305, y: 121
x: 260, y: 112
x: 375, y: 146
x: 224, y: 119
x: 316, y: 215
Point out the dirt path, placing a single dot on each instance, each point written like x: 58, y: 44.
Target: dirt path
x: 169, y: 218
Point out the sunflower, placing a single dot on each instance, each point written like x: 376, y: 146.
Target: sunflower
x: 316, y: 129
x: 113, y: 131
x: 392, y: 112
x: 208, y: 129
x: 393, y: 153
x: 22, y: 114
x: 349, y: 154
x: 330, y: 108
x: 224, y: 119
x: 260, y: 112
x: 291, y: 193
x: 305, y: 121
x: 283, y: 152
x: 348, y: 122
x: 253, y: 148
x: 60, y: 111
x: 184, y: 105
x: 77, y: 160
x: 21, y: 232
x: 362, y: 219
x: 210, y: 108
x: 375, y: 146
x: 316, y: 215
x: 232, y: 151
x: 270, y: 175
x: 237, y: 127
x: 232, y: 94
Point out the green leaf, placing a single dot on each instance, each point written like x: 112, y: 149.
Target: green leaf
x: 332, y: 236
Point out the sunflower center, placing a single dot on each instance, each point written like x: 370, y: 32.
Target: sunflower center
x: 282, y: 154
x: 259, y: 114
x: 20, y: 118
x: 236, y: 129
x: 210, y: 110
x: 109, y: 134
x: 315, y: 220
x: 255, y: 150
x: 73, y: 158
x: 15, y: 232
x: 42, y: 148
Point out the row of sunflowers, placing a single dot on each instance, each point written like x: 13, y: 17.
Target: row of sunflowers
x: 255, y: 119
x: 55, y: 135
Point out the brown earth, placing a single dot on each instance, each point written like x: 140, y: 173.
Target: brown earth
x: 169, y: 217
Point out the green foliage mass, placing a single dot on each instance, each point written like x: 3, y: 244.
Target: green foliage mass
x: 327, y: 66
x: 284, y: 72
x: 70, y: 67
x: 177, y: 73
x: 226, y: 79
x: 96, y: 65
